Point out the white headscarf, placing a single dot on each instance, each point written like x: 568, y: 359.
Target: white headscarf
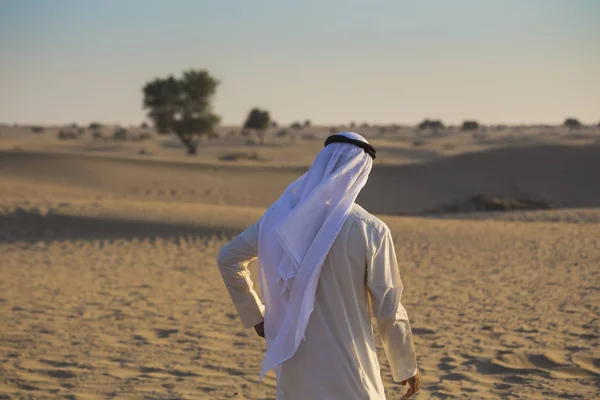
x: 295, y: 236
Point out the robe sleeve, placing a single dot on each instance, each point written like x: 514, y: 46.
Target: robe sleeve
x: 233, y: 260
x: 385, y: 291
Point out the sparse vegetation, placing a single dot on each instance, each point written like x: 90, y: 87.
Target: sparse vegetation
x: 65, y: 134
x: 182, y: 106
x: 259, y: 121
x: 121, y: 134
x: 308, y: 136
x: 95, y: 126
x: 97, y: 135
x: 433, y: 124
x: 37, y: 129
x: 144, y: 125
x: 418, y: 143
x: 283, y: 133
x: 241, y: 156
x: 307, y: 123
x: 296, y: 125
x: 470, y: 125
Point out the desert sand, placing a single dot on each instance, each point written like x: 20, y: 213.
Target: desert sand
x: 109, y: 287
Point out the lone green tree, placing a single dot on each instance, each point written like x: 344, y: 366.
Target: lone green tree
x: 259, y: 121
x: 182, y: 106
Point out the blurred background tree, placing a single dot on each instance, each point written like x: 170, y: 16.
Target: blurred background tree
x: 259, y: 121
x: 572, y: 124
x: 183, y: 106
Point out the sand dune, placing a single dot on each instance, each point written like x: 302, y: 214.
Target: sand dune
x: 109, y: 287
x: 562, y: 176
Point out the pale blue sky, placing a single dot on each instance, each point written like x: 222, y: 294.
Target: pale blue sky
x: 503, y: 61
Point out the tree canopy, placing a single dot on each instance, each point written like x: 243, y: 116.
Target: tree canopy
x: 470, y: 125
x: 433, y: 124
x: 572, y: 123
x: 182, y: 106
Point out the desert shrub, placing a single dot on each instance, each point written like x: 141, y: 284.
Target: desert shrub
x: 274, y: 124
x: 239, y: 156
x: 333, y: 130
x: 296, y: 125
x: 144, y: 136
x: 143, y: 152
x: 120, y: 134
x: 283, y: 133
x: 352, y: 124
x: 364, y: 125
x: 250, y: 142
x: 470, y: 125
x: 213, y: 135
x: 307, y: 123
x: 64, y: 134
x: 97, y: 135
x: 418, y: 143
x: 433, y: 124
x: 144, y: 125
x: 94, y: 126
x: 37, y: 129
x: 308, y: 136
x: 572, y: 123
x: 382, y: 130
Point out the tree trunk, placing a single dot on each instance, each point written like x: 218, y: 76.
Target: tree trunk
x: 190, y: 144
x: 261, y: 136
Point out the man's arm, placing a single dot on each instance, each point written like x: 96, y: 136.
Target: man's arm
x: 385, y: 290
x: 233, y: 260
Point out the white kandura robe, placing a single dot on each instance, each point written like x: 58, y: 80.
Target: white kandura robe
x: 360, y: 278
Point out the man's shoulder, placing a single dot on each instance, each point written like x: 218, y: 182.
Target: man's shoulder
x: 361, y: 216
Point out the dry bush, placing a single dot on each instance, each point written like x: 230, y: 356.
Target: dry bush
x: 64, y: 134
x: 308, y: 136
x: 97, y: 135
x: 120, y: 134
x: 241, y: 156
x: 37, y: 129
x: 470, y: 125
x: 418, y: 143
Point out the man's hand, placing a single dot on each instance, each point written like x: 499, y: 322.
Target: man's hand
x: 414, y: 384
x: 260, y: 329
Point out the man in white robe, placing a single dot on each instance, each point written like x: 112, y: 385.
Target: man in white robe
x: 325, y: 267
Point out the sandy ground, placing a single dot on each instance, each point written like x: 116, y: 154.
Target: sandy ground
x: 109, y: 286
